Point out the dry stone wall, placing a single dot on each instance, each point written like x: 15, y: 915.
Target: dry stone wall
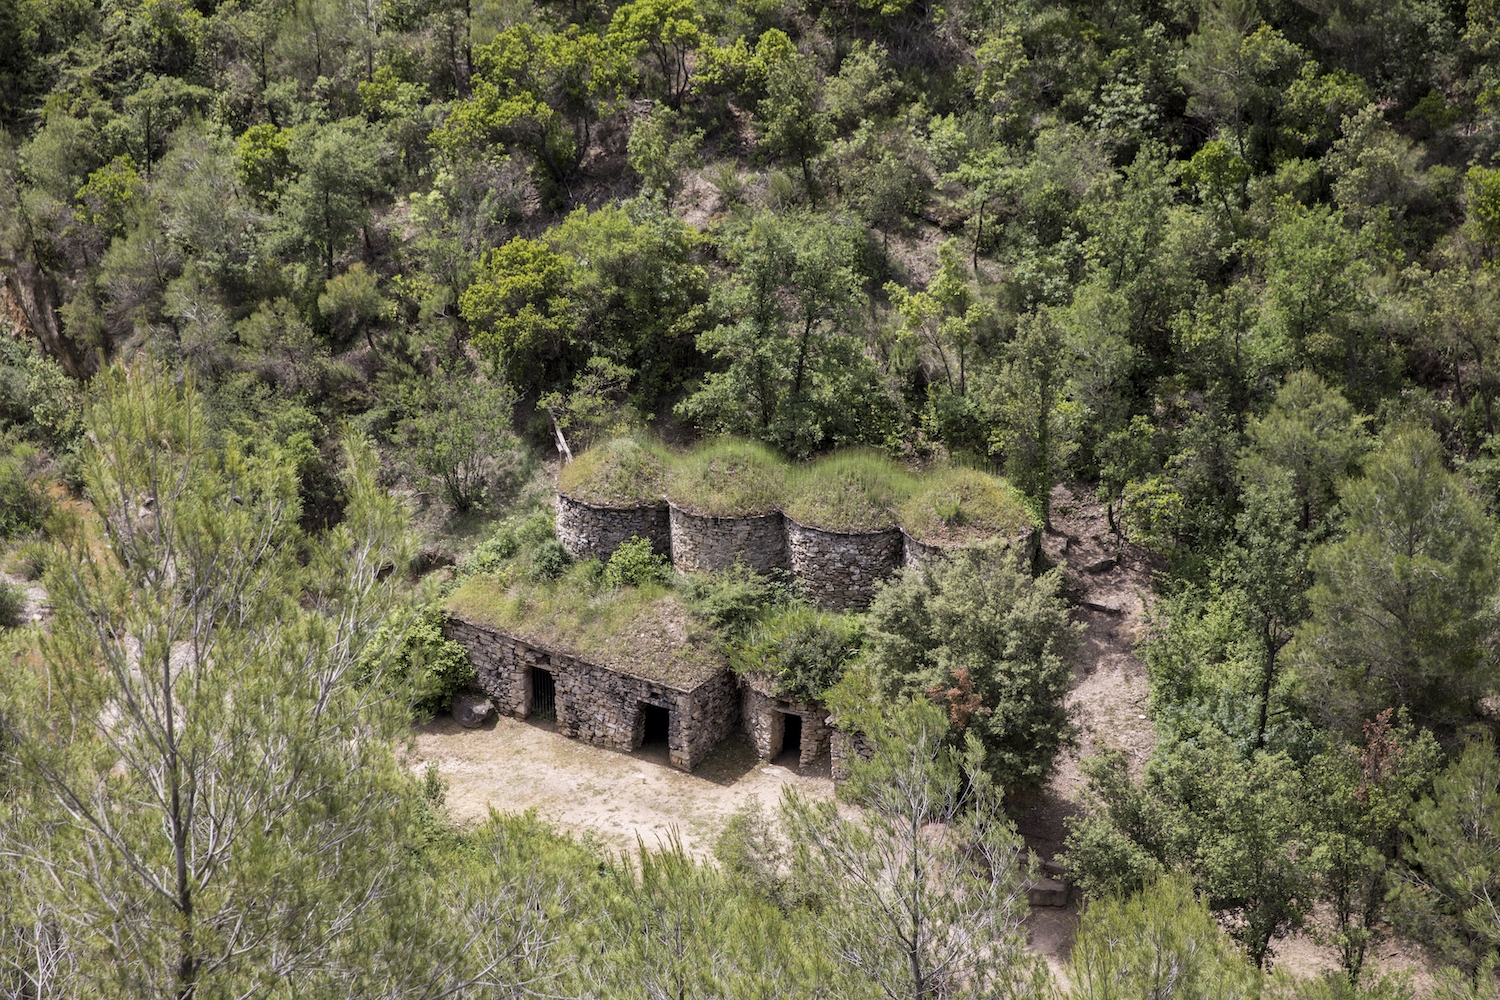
x: 918, y: 555
x: 839, y: 570
x: 590, y: 531
x: 764, y: 718
x: 707, y: 544
x: 598, y: 705
x: 844, y: 748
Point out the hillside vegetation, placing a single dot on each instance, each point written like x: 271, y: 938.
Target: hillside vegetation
x: 303, y: 294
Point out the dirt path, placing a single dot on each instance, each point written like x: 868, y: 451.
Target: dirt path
x: 513, y: 766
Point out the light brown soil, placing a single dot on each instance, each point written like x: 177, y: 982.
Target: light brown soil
x: 513, y: 766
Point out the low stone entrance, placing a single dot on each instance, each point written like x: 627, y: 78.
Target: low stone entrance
x: 789, y: 754
x: 543, y: 696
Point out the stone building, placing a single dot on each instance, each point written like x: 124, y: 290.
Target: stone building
x: 600, y: 703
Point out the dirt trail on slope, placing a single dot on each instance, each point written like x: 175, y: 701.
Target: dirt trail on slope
x: 1111, y: 583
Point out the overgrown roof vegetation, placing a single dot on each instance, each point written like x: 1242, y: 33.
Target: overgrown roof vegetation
x: 728, y: 478
x: 957, y: 505
x: 853, y: 490
x: 618, y: 472
x: 644, y: 631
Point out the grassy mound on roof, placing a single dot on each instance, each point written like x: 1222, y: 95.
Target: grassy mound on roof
x: 644, y: 631
x: 854, y: 490
x: 620, y: 472
x: 958, y: 506
x: 728, y: 478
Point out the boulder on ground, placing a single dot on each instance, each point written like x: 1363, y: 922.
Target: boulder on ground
x: 472, y: 710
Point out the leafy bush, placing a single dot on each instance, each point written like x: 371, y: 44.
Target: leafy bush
x: 805, y: 650
x: 548, y: 560
x: 984, y: 639
x: 620, y: 472
x: 492, y: 553
x: 433, y: 666
x: 728, y: 478
x: 1160, y: 941
x: 24, y: 505
x: 853, y: 490
x: 458, y: 439
x: 733, y: 600
x: 12, y: 601
x: 635, y: 563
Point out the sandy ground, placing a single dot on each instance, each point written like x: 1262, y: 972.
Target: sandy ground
x: 512, y: 766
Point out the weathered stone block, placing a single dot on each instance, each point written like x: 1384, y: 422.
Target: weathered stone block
x: 707, y: 544
x: 839, y: 570
x: 590, y: 531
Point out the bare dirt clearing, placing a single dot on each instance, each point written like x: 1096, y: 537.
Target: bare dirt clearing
x: 514, y: 766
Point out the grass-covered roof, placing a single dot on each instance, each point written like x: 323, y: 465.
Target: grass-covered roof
x: 620, y: 472
x: 853, y: 490
x: 642, y: 631
x: 728, y: 478
x: 959, y: 506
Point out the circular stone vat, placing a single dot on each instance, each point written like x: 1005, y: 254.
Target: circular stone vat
x: 703, y: 544
x: 590, y: 531
x: 839, y: 570
x: 917, y: 555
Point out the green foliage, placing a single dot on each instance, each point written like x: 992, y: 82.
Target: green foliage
x: 805, y: 651
x: 430, y: 666
x: 1404, y: 602
x: 24, y: 502
x: 1162, y: 940
x: 658, y: 154
x: 519, y: 307
x: 12, y: 604
x: 457, y: 437
x: 1235, y: 826
x: 634, y: 564
x: 733, y: 600
x: 986, y: 641
x: 1445, y: 896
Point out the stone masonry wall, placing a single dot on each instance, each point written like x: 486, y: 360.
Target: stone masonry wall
x: 586, y: 530
x: 839, y: 570
x: 597, y: 705
x: 844, y: 748
x: 764, y: 719
x: 705, y: 544
x: 917, y: 555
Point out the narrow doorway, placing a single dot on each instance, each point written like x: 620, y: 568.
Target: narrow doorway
x: 658, y: 722
x: 791, y: 741
x: 543, y: 696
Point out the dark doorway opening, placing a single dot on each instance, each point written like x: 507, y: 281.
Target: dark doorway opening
x: 658, y: 721
x: 791, y: 741
x: 543, y: 696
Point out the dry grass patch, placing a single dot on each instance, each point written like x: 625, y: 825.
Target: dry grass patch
x: 959, y: 506
x: 728, y: 478
x: 854, y: 490
x: 620, y: 472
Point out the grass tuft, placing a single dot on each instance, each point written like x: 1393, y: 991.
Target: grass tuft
x: 620, y: 472
x: 958, y: 506
x: 728, y: 478
x: 852, y: 490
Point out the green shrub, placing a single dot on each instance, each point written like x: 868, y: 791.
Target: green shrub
x: 12, y: 601
x: 24, y: 505
x: 956, y: 505
x: 620, y: 472
x: 492, y: 553
x: 855, y: 490
x: 733, y: 600
x: 434, y: 667
x: 548, y: 560
x: 635, y: 563
x: 728, y: 478
x: 805, y: 650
